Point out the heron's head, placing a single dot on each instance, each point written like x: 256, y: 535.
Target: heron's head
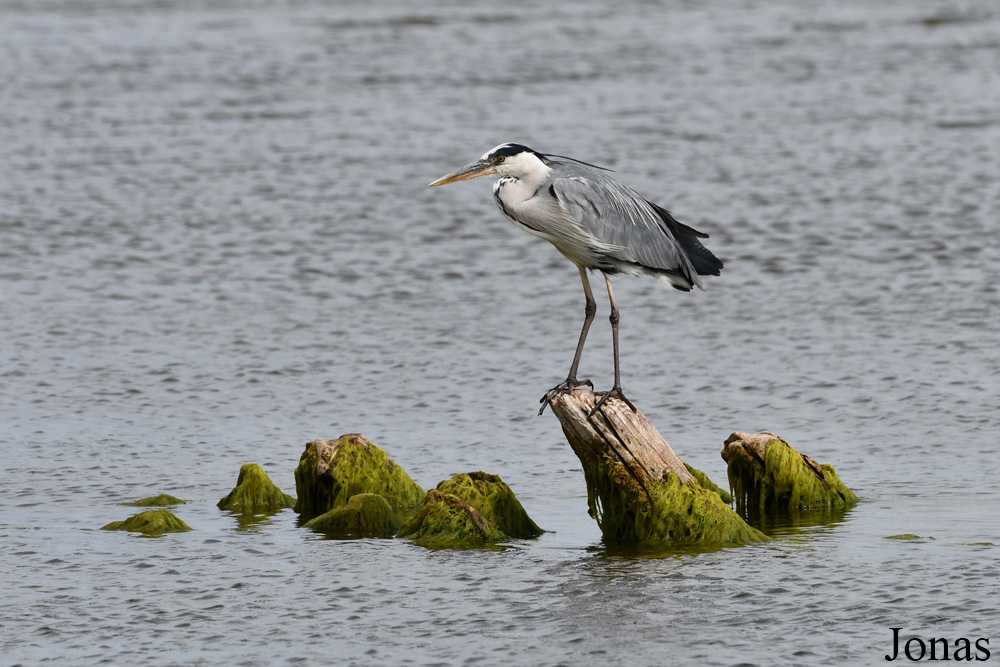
x: 504, y: 160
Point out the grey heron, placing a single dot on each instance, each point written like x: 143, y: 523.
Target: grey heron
x: 598, y: 224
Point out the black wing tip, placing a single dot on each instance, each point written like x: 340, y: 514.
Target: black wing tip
x: 705, y: 263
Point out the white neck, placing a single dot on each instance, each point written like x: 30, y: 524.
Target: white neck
x: 528, y: 169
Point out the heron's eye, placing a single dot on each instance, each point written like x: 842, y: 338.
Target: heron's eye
x: 501, y: 158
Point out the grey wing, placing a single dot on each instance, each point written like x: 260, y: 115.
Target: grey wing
x: 638, y: 237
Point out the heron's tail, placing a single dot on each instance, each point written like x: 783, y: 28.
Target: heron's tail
x: 702, y: 260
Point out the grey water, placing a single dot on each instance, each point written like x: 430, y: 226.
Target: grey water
x: 217, y: 243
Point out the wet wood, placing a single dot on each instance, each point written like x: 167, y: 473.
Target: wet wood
x: 324, y: 450
x: 754, y: 445
x: 768, y: 475
x: 618, y: 435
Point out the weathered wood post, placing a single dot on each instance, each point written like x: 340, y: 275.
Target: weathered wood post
x: 638, y: 489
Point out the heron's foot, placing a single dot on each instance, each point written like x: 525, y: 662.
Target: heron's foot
x: 566, y: 387
x: 616, y: 391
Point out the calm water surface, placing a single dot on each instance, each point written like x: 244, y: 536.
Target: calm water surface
x: 217, y: 243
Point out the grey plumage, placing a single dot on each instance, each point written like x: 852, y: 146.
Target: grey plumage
x: 597, y: 223
x: 614, y: 229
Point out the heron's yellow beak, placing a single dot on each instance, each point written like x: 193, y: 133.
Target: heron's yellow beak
x: 478, y: 169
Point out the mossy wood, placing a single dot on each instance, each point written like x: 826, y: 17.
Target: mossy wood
x: 150, y: 522
x: 364, y: 515
x: 768, y: 476
x: 638, y: 489
x: 445, y: 521
x: 491, y: 496
x: 331, y: 472
x: 162, y: 500
x: 255, y: 493
x: 709, y: 484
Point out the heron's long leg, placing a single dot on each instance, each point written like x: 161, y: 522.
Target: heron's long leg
x: 571, y: 382
x: 616, y: 390
x: 590, y: 310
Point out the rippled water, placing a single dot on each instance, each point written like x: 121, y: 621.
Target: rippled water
x: 216, y: 243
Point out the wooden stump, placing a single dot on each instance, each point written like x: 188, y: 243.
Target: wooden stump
x: 638, y: 489
x: 330, y: 472
x: 768, y: 476
x: 616, y: 431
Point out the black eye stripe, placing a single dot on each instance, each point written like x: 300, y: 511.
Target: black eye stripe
x: 509, y: 150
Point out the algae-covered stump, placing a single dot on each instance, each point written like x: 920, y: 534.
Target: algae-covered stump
x: 469, y: 510
x: 445, y: 521
x: 494, y: 500
x: 638, y: 489
x: 364, y: 515
x: 768, y: 476
x: 255, y: 493
x: 709, y: 484
x: 150, y: 522
x: 162, y: 500
x: 331, y: 472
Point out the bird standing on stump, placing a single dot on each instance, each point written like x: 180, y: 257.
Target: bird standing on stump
x: 598, y: 224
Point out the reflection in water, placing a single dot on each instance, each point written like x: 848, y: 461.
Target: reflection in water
x: 624, y: 552
x: 253, y: 523
x: 796, y: 522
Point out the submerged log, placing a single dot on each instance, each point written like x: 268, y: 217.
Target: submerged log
x: 638, y: 489
x: 330, y: 472
x: 150, y: 522
x: 162, y: 500
x: 364, y: 515
x: 768, y: 476
x: 492, y: 498
x: 349, y: 487
x: 445, y: 521
x: 255, y: 493
x: 469, y: 510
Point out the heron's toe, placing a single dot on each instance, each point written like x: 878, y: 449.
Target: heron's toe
x: 565, y: 387
x: 616, y: 392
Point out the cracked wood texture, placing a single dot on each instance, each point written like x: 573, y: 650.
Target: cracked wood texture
x: 617, y: 435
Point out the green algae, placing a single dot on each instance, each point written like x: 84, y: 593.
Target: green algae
x: 491, y: 496
x: 351, y: 488
x: 784, y: 480
x: 161, y: 500
x: 684, y: 513
x: 445, y: 521
x: 663, y: 512
x: 150, y: 522
x: 637, y: 490
x: 709, y: 484
x: 255, y: 493
x: 904, y: 536
x: 331, y: 472
x: 364, y: 515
